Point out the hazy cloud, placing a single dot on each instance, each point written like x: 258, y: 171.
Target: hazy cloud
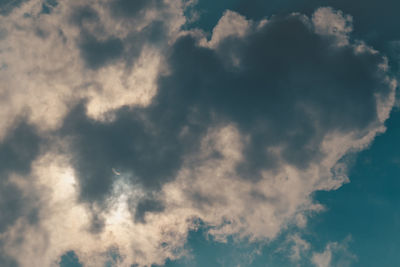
x: 335, y: 254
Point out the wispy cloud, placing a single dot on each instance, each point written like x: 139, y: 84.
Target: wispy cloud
x: 335, y: 254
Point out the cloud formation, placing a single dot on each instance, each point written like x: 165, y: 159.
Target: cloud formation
x: 335, y: 254
x: 134, y: 130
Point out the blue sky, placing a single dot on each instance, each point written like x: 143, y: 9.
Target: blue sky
x: 199, y: 133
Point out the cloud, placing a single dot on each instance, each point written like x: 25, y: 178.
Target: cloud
x: 72, y: 54
x: 230, y: 24
x: 8, y: 5
x: 328, y: 21
x: 335, y: 254
x: 236, y: 132
x: 299, y: 247
x: 99, y: 53
x: 131, y: 9
x: 17, y: 152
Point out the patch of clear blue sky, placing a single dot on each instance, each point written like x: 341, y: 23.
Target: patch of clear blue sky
x: 205, y: 252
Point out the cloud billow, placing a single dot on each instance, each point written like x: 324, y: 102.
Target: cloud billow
x: 290, y: 90
x: 156, y: 128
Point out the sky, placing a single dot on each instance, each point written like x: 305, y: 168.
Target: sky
x: 172, y: 133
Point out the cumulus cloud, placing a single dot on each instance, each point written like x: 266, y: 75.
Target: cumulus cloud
x: 126, y: 131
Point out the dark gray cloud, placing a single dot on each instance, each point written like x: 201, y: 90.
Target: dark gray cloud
x: 13, y: 205
x: 147, y: 205
x: 98, y: 53
x: 291, y: 88
x: 150, y: 150
x: 17, y: 151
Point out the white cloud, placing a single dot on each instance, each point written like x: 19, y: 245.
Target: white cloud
x: 330, y: 22
x: 230, y: 24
